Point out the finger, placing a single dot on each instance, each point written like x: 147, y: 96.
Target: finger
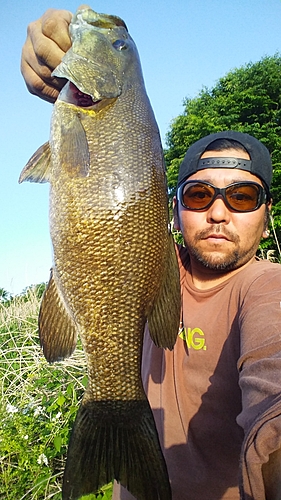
x: 46, y: 43
x: 48, y: 51
x: 39, y: 87
x: 37, y: 75
x: 54, y: 25
x: 83, y: 6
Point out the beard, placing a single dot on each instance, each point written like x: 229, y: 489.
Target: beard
x: 215, y: 259
x: 227, y: 263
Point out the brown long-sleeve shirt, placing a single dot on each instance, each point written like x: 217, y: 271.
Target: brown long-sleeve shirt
x: 221, y: 382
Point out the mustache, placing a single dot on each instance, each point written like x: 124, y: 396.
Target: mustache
x: 218, y: 229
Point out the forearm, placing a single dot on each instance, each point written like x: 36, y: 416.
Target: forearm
x: 259, y: 368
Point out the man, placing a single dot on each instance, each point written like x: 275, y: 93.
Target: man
x: 216, y: 397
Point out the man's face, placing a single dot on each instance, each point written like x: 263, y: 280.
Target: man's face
x: 220, y: 238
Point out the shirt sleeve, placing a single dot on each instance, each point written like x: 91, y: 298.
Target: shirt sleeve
x: 260, y: 381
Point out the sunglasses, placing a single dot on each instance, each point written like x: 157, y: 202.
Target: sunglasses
x: 239, y: 196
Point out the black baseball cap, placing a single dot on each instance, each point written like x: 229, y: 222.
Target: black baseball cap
x: 259, y: 163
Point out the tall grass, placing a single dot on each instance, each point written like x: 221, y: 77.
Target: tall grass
x: 38, y: 404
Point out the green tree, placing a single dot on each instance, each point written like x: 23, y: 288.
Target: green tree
x: 4, y: 295
x: 247, y: 99
x: 36, y: 290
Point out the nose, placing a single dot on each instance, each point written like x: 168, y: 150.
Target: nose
x: 218, y: 212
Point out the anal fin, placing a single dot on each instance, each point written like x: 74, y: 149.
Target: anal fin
x: 57, y: 329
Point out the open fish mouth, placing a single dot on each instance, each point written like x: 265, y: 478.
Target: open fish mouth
x: 71, y: 94
x: 79, y: 98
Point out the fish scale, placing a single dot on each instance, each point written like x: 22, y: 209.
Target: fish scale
x: 114, y: 261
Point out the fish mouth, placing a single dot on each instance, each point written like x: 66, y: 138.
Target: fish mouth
x: 71, y: 94
x: 79, y: 98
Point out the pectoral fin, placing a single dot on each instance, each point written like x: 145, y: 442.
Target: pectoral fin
x: 38, y: 167
x: 57, y: 328
x: 74, y: 149
x: 164, y: 318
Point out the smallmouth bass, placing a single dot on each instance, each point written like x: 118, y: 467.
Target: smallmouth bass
x: 115, y: 266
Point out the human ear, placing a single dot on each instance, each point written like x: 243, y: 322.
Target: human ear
x: 176, y: 214
x: 265, y: 233
x: 267, y: 218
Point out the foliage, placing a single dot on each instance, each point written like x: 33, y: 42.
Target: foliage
x: 38, y: 406
x: 27, y: 294
x: 4, y: 295
x: 247, y: 99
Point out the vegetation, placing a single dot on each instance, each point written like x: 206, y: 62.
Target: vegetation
x: 38, y: 404
x: 247, y: 99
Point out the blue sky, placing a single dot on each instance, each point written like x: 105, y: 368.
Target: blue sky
x: 183, y: 44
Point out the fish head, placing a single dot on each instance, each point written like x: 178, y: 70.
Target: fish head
x: 100, y: 61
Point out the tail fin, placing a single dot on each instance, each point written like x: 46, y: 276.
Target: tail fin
x: 115, y: 440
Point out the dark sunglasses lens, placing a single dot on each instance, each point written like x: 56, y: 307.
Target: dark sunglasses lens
x: 197, y: 196
x: 243, y: 197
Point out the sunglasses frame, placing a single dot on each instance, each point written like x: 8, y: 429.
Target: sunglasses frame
x: 262, y: 195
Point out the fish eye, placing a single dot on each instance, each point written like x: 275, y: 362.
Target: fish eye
x: 119, y: 44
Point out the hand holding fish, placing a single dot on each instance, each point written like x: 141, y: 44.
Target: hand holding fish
x: 46, y: 43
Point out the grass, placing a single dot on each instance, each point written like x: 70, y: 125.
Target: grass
x: 38, y: 405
